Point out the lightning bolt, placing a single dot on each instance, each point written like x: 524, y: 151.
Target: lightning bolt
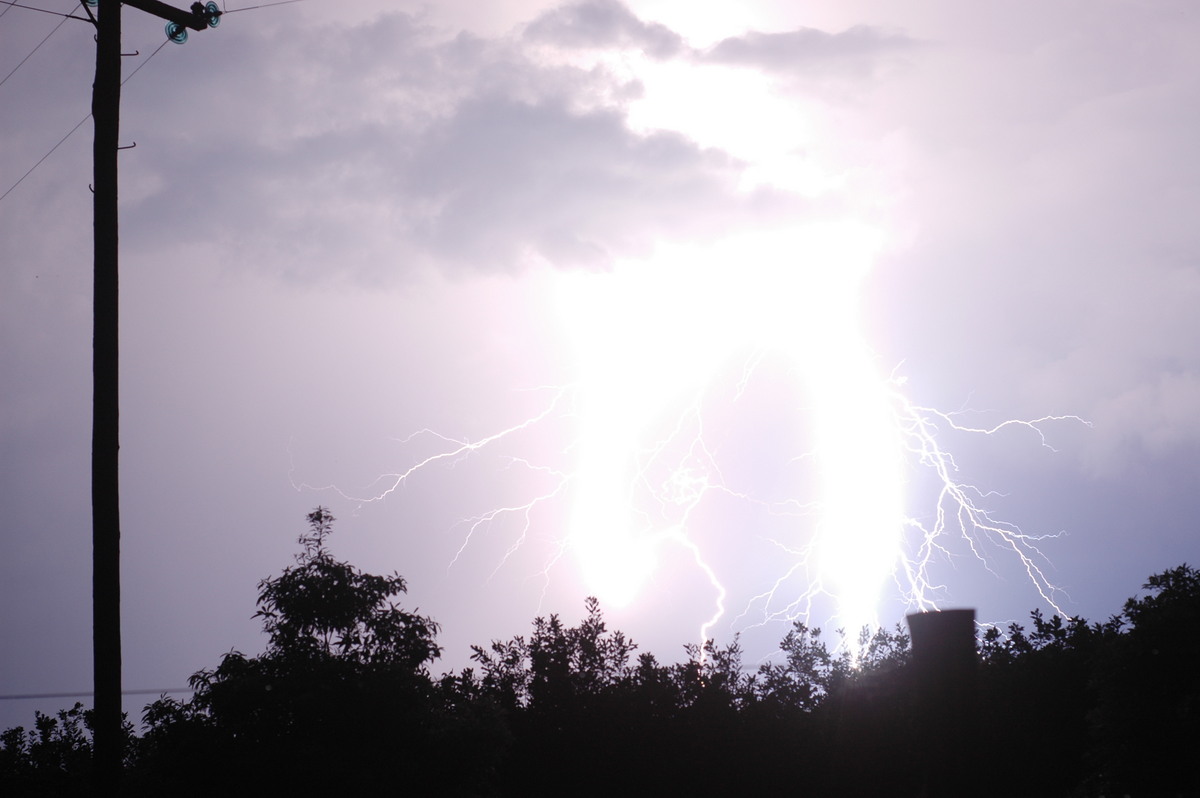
x: 958, y: 512
x: 454, y: 451
x: 654, y: 347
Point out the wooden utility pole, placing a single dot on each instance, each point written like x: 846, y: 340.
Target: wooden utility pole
x: 106, y: 505
x: 108, y: 735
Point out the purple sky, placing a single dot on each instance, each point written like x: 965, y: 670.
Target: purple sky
x: 342, y: 226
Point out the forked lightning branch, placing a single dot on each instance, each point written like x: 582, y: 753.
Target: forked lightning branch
x: 652, y: 343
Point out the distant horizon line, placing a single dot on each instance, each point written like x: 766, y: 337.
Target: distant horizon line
x: 90, y: 694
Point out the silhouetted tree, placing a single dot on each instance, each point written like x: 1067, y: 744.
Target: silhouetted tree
x: 1036, y: 689
x: 1146, y: 720
x: 566, y: 692
x: 806, y: 674
x: 323, y: 608
x: 340, y: 699
x: 55, y: 758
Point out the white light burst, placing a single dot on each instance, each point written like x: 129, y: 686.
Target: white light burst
x: 653, y: 337
x: 650, y: 338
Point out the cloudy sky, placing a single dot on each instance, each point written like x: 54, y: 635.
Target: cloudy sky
x: 720, y: 261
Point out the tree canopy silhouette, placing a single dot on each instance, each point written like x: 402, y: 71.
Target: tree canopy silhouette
x: 341, y: 698
x: 324, y: 608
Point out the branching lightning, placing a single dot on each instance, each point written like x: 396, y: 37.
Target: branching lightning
x: 865, y: 496
x: 652, y: 342
x: 455, y: 450
x: 957, y: 508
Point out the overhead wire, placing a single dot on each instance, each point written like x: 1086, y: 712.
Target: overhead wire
x: 44, y: 157
x: 147, y: 61
x: 10, y: 4
x: 14, y: 4
x: 264, y: 5
x: 77, y: 126
x: 89, y: 694
x: 34, y: 50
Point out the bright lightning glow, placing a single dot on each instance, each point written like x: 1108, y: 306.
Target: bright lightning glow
x: 653, y: 337
x: 650, y: 338
x: 859, y: 454
x: 651, y: 333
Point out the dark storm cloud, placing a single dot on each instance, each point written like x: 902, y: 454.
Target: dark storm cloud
x: 578, y: 189
x: 603, y: 24
x: 391, y: 149
x: 857, y: 49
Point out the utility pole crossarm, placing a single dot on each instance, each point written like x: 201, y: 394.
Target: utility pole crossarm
x: 189, y: 19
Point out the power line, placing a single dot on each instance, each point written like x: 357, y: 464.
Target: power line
x: 89, y: 694
x: 14, y: 4
x: 147, y: 61
x: 264, y: 5
x: 34, y: 50
x: 77, y: 126
x: 43, y: 158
